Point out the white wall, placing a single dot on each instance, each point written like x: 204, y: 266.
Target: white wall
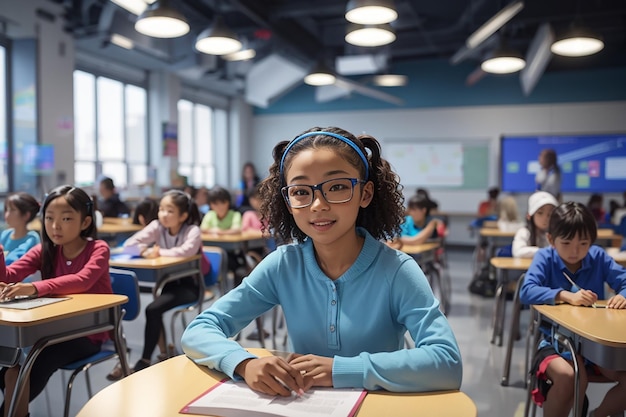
x: 481, y: 122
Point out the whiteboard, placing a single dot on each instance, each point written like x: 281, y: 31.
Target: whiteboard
x: 445, y: 164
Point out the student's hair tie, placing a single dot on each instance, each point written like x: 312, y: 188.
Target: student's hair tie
x: 322, y: 133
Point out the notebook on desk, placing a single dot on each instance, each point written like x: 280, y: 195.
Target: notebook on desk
x: 28, y: 303
x: 125, y: 253
x: 237, y: 399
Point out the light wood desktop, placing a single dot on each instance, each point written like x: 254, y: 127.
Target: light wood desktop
x: 595, y: 333
x: 243, y: 240
x: 154, y: 270
x: 81, y: 315
x: 494, y: 232
x: 609, y: 236
x: 110, y: 227
x: 164, y: 388
x: 420, y: 249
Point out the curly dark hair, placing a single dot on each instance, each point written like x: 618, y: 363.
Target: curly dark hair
x: 383, y: 216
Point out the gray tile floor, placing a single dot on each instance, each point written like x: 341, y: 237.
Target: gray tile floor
x: 470, y: 318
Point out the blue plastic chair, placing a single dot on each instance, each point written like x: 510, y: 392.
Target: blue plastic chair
x: 124, y: 283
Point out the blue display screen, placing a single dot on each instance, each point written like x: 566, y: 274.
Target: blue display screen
x: 589, y: 163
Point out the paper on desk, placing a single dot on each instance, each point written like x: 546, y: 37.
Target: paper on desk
x: 32, y: 303
x: 237, y: 399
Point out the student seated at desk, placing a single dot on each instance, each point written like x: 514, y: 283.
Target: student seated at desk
x: 111, y: 205
x: 509, y: 219
x: 528, y: 240
x: 250, y: 220
x: 174, y: 233
x: 418, y: 227
x: 223, y: 220
x: 19, y: 210
x: 573, y: 271
x: 334, y: 197
x: 71, y: 261
x: 489, y: 207
x: 146, y: 212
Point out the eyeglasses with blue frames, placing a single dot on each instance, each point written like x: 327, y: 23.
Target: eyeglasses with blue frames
x: 335, y: 191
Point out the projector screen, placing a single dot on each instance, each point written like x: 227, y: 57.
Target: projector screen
x: 589, y: 163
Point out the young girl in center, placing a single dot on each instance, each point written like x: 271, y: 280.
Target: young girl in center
x: 71, y: 261
x: 529, y: 239
x: 19, y: 210
x: 174, y: 233
x: 571, y: 233
x: 418, y: 226
x: 348, y: 298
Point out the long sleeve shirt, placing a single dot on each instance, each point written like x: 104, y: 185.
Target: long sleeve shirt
x: 187, y: 242
x: 544, y: 279
x: 232, y: 220
x: 359, y: 319
x: 16, y: 248
x: 87, y: 273
x: 521, y: 246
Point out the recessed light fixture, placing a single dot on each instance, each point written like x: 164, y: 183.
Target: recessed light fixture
x: 121, y: 41
x: 371, y: 12
x: 243, y: 55
x: 578, y: 42
x: 390, y: 80
x: 370, y: 35
x: 160, y: 20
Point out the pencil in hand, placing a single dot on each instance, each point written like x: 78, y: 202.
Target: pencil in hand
x: 574, y: 285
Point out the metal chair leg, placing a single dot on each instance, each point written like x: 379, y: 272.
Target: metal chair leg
x: 514, y: 329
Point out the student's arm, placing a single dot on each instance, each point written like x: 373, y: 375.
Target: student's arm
x: 82, y: 281
x: 425, y: 234
x: 435, y: 362
x: 520, y: 246
x: 146, y: 236
x: 27, y: 265
x: 190, y: 246
x: 31, y: 239
x: 536, y: 289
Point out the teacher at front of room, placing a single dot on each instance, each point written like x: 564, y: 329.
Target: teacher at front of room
x: 549, y: 176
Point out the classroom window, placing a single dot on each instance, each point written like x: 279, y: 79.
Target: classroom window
x: 111, y: 136
x: 195, y: 143
x: 4, y: 160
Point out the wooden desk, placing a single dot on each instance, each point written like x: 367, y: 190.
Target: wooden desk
x: 108, y: 227
x: 503, y: 265
x: 608, y: 235
x: 164, y: 388
x: 494, y: 232
x: 597, y: 333
x: 155, y: 270
x: 243, y: 240
x: 438, y: 279
x: 81, y: 315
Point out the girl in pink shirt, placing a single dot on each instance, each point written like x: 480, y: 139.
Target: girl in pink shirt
x: 71, y: 261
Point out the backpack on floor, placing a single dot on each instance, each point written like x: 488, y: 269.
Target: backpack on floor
x: 483, y: 283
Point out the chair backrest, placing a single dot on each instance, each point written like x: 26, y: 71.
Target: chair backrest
x: 125, y: 283
x: 505, y: 252
x: 219, y: 265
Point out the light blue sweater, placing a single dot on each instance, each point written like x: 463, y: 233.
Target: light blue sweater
x: 15, y: 248
x: 359, y: 319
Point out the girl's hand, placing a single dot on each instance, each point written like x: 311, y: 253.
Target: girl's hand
x: 317, y: 370
x: 271, y: 375
x: 14, y: 289
x: 617, y: 301
x: 583, y: 298
x: 152, y: 252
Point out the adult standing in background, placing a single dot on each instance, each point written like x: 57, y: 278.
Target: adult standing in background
x: 548, y: 179
x: 249, y: 180
x: 111, y: 205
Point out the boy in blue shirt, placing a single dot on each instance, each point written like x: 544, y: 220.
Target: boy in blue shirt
x: 571, y: 232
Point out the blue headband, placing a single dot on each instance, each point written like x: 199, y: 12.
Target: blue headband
x: 334, y: 135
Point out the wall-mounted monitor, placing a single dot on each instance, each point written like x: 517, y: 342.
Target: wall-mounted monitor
x: 589, y: 163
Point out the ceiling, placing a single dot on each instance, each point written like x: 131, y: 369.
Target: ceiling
x: 304, y: 32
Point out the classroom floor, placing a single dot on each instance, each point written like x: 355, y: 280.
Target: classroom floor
x: 470, y: 318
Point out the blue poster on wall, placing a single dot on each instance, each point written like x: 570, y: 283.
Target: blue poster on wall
x: 589, y: 163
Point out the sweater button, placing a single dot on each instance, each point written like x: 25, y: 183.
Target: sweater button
x: 332, y: 328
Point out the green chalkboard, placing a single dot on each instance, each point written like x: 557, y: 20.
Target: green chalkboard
x: 446, y: 164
